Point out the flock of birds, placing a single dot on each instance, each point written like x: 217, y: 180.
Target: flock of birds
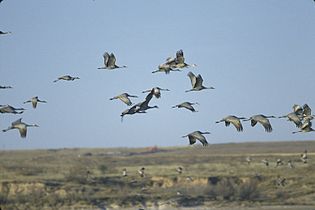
x: 301, y: 116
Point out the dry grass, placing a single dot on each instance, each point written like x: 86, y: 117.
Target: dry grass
x: 218, y: 175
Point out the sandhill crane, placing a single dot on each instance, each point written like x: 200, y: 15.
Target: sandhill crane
x: 34, y: 101
x: 5, y: 32
x: 197, y: 135
x: 5, y: 87
x: 180, y: 60
x: 263, y: 120
x: 186, y: 105
x: 307, y: 111
x: 179, y: 170
x: 248, y: 160
x: 21, y: 126
x: 141, y: 172
x: 265, y: 161
x: 124, y: 97
x: 165, y: 67
x: 290, y: 164
x: 281, y: 181
x: 294, y: 118
x: 110, y: 62
x: 196, y: 82
x: 304, y: 157
x: 279, y: 162
x: 156, y: 91
x: 67, y: 78
x: 124, y: 172
x: 306, y: 126
x: 139, y: 107
x: 297, y: 109
x: 234, y: 120
x: 10, y: 109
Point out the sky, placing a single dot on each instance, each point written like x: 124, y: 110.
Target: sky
x: 259, y: 56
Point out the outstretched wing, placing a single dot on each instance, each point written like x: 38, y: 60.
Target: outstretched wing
x: 180, y: 57
x: 199, y: 81
x: 106, y: 58
x: 112, y: 60
x: 192, y: 78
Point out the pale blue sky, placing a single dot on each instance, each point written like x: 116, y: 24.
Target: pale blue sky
x: 259, y: 55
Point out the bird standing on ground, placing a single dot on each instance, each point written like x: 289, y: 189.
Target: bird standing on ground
x: 279, y: 162
x: 110, y: 62
x: 179, y: 170
x: 34, y: 101
x: 21, y: 126
x: 234, y: 120
x: 66, y: 78
x: 304, y: 157
x: 196, y: 82
x: 124, y: 172
x: 186, y: 105
x: 248, y: 160
x: 263, y: 120
x: 141, y: 172
x: 124, y: 97
x: 265, y: 161
x: 197, y: 135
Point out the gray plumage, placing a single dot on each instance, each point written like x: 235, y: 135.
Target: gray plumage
x: 5, y: 87
x: 140, y: 107
x: 34, y: 101
x: 110, y: 62
x: 124, y: 97
x: 5, y: 32
x: 10, y: 109
x: 186, y: 105
x: 293, y: 117
x: 197, y: 135
x: 156, y: 91
x: 234, y: 120
x: 196, y: 82
x: 263, y: 120
x: 66, y: 78
x: 306, y: 127
x: 21, y: 126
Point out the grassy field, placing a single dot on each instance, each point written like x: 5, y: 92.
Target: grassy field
x: 215, y: 177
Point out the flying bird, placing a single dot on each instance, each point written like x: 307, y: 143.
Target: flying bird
x: 156, y: 91
x: 197, y: 135
x: 306, y: 127
x: 10, y: 109
x: 5, y: 87
x: 180, y: 61
x: 34, y: 101
x: 140, y: 107
x: 186, y: 105
x: 196, y: 82
x: 165, y: 67
x: 124, y: 97
x: 234, y: 120
x: 110, y: 62
x: 263, y: 120
x: 67, y: 78
x: 5, y: 32
x: 21, y: 126
x: 293, y: 117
